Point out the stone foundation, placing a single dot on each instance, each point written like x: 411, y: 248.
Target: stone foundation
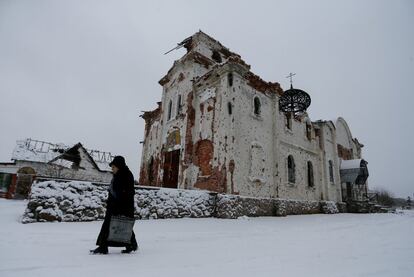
x: 84, y: 201
x: 362, y: 207
x: 233, y: 206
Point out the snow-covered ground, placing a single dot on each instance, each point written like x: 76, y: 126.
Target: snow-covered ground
x: 308, y: 245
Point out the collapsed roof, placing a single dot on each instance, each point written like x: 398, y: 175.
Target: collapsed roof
x: 46, y: 152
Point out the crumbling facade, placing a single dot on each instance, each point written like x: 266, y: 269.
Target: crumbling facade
x: 218, y: 127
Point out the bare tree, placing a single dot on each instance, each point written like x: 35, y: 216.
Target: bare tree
x: 385, y: 198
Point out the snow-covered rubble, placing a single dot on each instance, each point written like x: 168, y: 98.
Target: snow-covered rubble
x: 329, y: 207
x: 65, y: 201
x: 85, y: 201
x: 173, y: 203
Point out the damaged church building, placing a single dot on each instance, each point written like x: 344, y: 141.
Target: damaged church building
x: 219, y: 127
x: 35, y: 160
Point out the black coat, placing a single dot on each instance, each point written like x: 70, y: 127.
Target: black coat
x: 120, y: 202
x: 121, y: 194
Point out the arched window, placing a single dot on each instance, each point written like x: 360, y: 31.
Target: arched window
x: 310, y: 174
x: 169, y: 110
x: 230, y: 79
x: 230, y: 107
x: 257, y: 106
x: 288, y: 122
x: 308, y: 130
x: 291, y: 169
x: 179, y: 104
x: 331, y: 175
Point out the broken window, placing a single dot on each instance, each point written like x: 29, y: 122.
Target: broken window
x: 258, y: 162
x: 230, y: 79
x: 310, y: 174
x: 291, y: 169
x: 331, y: 175
x: 308, y: 130
x: 179, y: 104
x: 216, y: 56
x: 230, y: 107
x: 257, y: 106
x: 169, y: 110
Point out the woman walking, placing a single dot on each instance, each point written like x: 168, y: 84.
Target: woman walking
x: 120, y: 202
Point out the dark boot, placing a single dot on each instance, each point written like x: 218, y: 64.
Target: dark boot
x: 132, y: 247
x: 129, y: 249
x: 100, y: 250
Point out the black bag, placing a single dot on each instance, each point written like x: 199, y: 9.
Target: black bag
x: 120, y: 229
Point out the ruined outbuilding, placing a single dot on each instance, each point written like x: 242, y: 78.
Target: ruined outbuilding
x: 34, y: 159
x: 218, y: 127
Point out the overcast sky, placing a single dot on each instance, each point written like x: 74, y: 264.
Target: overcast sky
x: 82, y: 71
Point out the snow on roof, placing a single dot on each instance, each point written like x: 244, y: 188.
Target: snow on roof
x: 351, y: 164
x: 41, y: 151
x: 103, y: 166
x: 37, y: 151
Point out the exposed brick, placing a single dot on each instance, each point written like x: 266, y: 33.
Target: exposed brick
x: 143, y: 176
x: 164, y: 80
x: 259, y: 84
x: 204, y: 156
x: 150, y: 117
x: 188, y: 153
x: 201, y: 59
x: 215, y: 182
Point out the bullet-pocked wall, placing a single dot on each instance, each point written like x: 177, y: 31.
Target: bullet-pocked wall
x: 218, y: 127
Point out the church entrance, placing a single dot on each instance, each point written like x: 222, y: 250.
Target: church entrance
x: 171, y: 167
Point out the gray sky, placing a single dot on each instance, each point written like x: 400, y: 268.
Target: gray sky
x: 81, y: 71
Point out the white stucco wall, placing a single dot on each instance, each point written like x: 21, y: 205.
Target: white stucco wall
x: 257, y: 146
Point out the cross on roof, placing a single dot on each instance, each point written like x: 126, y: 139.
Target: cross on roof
x: 290, y: 76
